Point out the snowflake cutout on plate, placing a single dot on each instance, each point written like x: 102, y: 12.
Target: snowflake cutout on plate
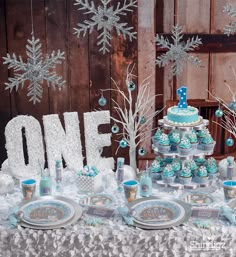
x: 36, y: 70
x: 105, y: 18
x: 230, y: 29
x: 177, y: 53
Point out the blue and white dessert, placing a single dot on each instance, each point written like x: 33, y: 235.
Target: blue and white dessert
x: 200, y: 161
x: 176, y: 165
x: 207, y: 143
x: 211, y: 167
x: 184, y: 146
x: 192, y: 166
x: 168, y: 174
x: 156, y: 170
x: 183, y: 116
x: 175, y: 138
x: 163, y: 143
x: 157, y: 136
x: 202, y: 175
x: 88, y: 171
x: 185, y: 176
x: 192, y: 137
x: 202, y: 134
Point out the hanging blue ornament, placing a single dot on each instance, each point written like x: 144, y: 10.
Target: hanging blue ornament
x: 123, y: 143
x: 232, y: 106
x: 229, y: 142
x: 102, y: 101
x: 219, y: 113
x: 141, y: 151
x: 131, y: 86
x: 142, y: 120
x: 115, y: 129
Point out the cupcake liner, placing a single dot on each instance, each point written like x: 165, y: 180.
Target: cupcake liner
x: 184, y: 151
x: 213, y: 175
x: 185, y: 180
x: 168, y: 180
x: 207, y: 147
x: 163, y: 148
x: 202, y: 180
x: 156, y: 175
x: 194, y: 146
x: 155, y: 141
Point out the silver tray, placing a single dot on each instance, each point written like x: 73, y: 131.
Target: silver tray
x: 193, y: 153
x: 186, y: 217
x: 73, y: 220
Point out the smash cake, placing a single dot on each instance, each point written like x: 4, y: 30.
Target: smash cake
x: 183, y: 115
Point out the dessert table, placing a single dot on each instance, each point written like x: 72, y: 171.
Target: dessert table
x: 114, y: 237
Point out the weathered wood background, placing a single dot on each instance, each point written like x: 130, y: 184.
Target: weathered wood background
x: 86, y: 70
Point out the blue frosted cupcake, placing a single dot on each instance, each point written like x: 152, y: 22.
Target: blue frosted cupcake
x: 157, y: 136
x: 168, y: 175
x: 185, y: 176
x: 160, y: 160
x: 192, y: 137
x: 207, y: 143
x: 202, y: 133
x: 156, y: 170
x: 200, y: 161
x: 211, y: 167
x: 202, y: 175
x: 176, y: 165
x: 175, y: 138
x: 192, y: 166
x: 184, y: 146
x: 163, y: 143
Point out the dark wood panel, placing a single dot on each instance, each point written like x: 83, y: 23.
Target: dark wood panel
x: 210, y: 43
x: 124, y: 52
x: 5, y: 107
x: 56, y: 26
x: 18, y: 31
x: 78, y: 68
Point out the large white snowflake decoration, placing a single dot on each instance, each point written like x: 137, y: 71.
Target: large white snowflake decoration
x: 105, y: 18
x: 35, y: 70
x: 177, y: 53
x: 230, y: 29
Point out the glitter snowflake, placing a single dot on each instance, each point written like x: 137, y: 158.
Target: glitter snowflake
x: 177, y: 53
x: 105, y: 18
x: 36, y: 70
x: 230, y: 29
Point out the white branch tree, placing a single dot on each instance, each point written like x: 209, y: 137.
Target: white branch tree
x: 133, y: 110
x: 228, y: 121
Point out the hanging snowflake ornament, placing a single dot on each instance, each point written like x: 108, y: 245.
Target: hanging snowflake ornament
x: 105, y: 18
x: 35, y: 70
x: 177, y: 52
x: 230, y: 29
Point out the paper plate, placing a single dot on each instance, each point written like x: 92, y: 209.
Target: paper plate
x: 197, y: 198
x: 47, y: 212
x: 98, y: 200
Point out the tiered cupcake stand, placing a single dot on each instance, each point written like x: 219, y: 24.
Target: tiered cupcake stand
x: 193, y: 154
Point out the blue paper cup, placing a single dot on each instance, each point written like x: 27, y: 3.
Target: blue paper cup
x: 229, y: 189
x: 28, y: 188
x: 130, y: 189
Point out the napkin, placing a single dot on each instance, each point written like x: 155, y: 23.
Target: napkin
x: 229, y: 214
x: 13, y: 216
x: 125, y: 213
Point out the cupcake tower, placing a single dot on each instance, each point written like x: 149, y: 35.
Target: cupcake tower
x: 181, y: 143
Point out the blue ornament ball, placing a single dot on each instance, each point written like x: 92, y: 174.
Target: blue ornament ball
x: 115, y: 129
x: 131, y: 86
x: 232, y: 106
x: 141, y: 151
x: 219, y: 113
x: 142, y: 120
x: 123, y: 143
x: 229, y: 142
x: 102, y: 101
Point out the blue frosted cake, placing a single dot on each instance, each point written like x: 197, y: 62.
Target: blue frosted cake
x: 183, y: 116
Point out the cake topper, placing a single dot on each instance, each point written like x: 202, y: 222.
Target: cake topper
x: 182, y: 92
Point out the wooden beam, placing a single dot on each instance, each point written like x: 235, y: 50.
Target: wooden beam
x: 210, y: 43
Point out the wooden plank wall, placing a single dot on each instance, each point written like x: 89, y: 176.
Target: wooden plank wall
x: 85, y: 69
